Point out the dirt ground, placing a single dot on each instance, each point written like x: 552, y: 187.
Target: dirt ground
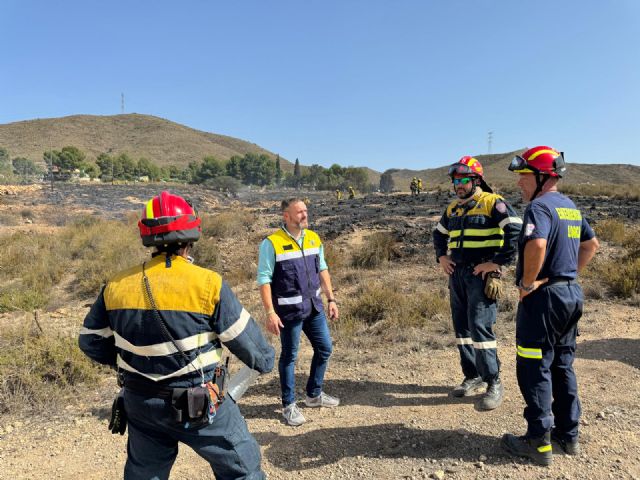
x: 396, y: 419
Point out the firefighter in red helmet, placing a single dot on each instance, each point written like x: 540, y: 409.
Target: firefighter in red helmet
x: 473, y: 240
x: 555, y: 244
x: 162, y: 325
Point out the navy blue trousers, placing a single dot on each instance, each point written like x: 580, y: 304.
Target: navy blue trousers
x: 546, y: 329
x: 152, y: 446
x: 473, y: 318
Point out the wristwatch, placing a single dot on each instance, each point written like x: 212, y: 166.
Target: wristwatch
x: 525, y: 289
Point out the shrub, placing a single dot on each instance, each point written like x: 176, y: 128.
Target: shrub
x: 101, y: 248
x: 610, y: 230
x: 206, y: 254
x: 37, y: 370
x: 31, y: 266
x: 621, y: 278
x: 227, y: 224
x: 377, y: 250
x: 399, y: 309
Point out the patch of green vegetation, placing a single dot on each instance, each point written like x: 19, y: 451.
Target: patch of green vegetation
x: 377, y: 250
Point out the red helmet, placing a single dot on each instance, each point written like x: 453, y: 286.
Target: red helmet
x: 168, y: 219
x: 467, y: 166
x: 542, y: 159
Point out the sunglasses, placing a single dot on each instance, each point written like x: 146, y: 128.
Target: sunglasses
x: 463, y: 181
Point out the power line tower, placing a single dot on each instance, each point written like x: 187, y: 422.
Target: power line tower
x: 122, y: 103
x: 489, y: 141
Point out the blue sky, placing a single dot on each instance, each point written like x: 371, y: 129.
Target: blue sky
x: 396, y: 83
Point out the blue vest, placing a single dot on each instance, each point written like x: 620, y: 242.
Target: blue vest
x: 295, y: 286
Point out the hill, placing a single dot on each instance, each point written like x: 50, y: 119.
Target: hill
x: 161, y: 141
x: 496, y: 172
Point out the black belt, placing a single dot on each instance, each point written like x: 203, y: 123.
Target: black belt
x: 146, y: 387
x: 559, y: 280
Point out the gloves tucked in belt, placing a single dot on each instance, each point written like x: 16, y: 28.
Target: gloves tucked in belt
x: 493, y: 286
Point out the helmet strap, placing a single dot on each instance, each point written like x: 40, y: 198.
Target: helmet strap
x: 540, y: 181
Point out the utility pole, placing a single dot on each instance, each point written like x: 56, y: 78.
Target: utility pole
x: 489, y: 141
x: 122, y: 103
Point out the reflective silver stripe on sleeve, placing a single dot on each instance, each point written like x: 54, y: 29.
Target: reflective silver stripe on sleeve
x: 165, y: 348
x: 441, y: 229
x: 288, y: 255
x: 237, y: 328
x: 509, y: 220
x: 318, y: 292
x: 485, y: 345
x: 290, y: 300
x: 201, y: 361
x: 312, y: 251
x: 464, y: 341
x: 103, y: 332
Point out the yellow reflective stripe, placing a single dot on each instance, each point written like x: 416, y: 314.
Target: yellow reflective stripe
x: 544, y: 448
x: 477, y: 232
x: 540, y: 152
x: 573, y: 231
x: 569, y: 214
x: 477, y: 244
x: 150, y: 208
x: 529, y: 352
x: 524, y: 170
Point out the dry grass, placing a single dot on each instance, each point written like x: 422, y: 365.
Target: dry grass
x: 377, y: 250
x: 617, y: 275
x: 227, y: 224
x: 38, y: 371
x: 387, y: 309
x: 611, y: 190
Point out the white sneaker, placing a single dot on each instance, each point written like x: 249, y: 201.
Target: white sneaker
x: 322, y: 400
x: 292, y: 415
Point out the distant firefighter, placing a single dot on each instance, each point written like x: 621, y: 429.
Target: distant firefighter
x: 338, y: 194
x: 419, y: 185
x: 352, y: 193
x: 414, y: 186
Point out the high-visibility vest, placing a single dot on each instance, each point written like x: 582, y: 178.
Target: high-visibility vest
x: 295, y: 285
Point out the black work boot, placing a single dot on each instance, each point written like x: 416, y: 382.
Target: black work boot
x: 468, y: 387
x: 537, y: 449
x: 570, y: 447
x: 492, y: 398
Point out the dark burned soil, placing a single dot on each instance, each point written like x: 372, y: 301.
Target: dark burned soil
x: 396, y: 419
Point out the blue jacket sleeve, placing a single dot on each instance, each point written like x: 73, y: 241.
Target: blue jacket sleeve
x: 240, y: 332
x: 511, y: 224
x: 441, y: 236
x: 96, y: 338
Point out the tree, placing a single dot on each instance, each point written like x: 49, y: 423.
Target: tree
x: 69, y: 159
x: 357, y: 177
x: 106, y: 165
x: 6, y: 167
x: 278, y: 170
x: 296, y: 173
x: 224, y: 183
x: 256, y: 169
x: 233, y: 167
x: 210, y: 168
x: 386, y: 182
x: 25, y: 167
x: 146, y: 168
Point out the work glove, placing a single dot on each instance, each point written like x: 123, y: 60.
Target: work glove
x: 493, y: 286
x: 118, y: 422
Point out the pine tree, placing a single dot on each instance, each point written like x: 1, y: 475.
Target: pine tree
x: 278, y: 170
